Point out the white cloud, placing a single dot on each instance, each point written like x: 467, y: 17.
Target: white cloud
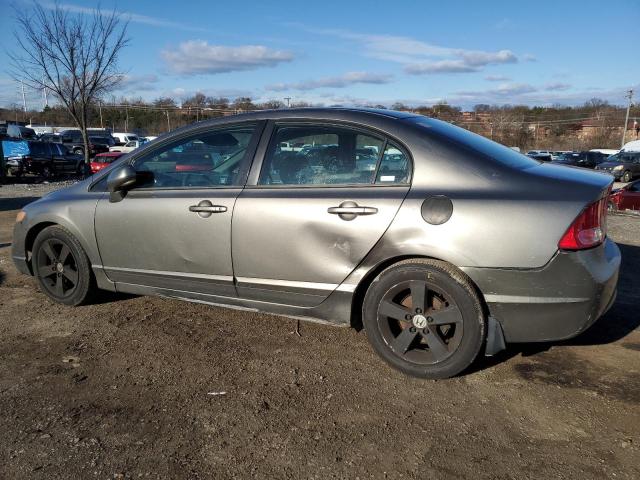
x: 503, y: 90
x: 198, y: 57
x: 557, y: 87
x: 497, y: 78
x: 349, y: 78
x: 417, y: 56
x: 132, y: 17
x: 134, y: 83
x: 442, y: 66
x: 468, y: 61
x: 528, y: 57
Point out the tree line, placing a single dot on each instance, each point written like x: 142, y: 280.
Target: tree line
x: 556, y: 127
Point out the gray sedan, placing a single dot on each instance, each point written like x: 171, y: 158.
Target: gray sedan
x: 439, y: 242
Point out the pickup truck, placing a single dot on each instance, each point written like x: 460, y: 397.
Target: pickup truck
x: 45, y: 159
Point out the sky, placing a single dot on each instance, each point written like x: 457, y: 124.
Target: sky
x: 369, y: 52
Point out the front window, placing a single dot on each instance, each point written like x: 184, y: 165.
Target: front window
x: 330, y: 155
x: 212, y: 158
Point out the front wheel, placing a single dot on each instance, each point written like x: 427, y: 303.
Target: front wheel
x: 424, y: 318
x: 62, y: 267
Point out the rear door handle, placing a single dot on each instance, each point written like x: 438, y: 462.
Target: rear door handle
x: 350, y: 210
x: 205, y: 208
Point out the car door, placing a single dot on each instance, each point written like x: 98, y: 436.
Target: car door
x: 60, y: 161
x: 308, y: 216
x: 173, y: 229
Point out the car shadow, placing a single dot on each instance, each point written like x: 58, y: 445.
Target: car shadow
x: 15, y: 203
x: 616, y: 324
x: 105, y: 296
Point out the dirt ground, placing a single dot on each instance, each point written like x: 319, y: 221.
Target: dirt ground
x: 131, y: 387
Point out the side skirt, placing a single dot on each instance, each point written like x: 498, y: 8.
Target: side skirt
x: 331, y: 312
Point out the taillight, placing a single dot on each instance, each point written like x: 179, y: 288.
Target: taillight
x: 589, y: 229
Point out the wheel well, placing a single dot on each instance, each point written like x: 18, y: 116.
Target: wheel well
x: 363, y: 286
x: 31, y: 238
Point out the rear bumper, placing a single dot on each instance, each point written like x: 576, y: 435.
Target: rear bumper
x: 556, y: 302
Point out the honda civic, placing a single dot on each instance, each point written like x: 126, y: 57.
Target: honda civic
x: 440, y: 243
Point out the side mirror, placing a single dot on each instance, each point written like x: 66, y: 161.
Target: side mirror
x: 119, y: 181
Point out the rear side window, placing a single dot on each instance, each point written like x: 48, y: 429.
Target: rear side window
x: 394, y: 166
x: 472, y: 141
x: 319, y: 155
x: 39, y: 149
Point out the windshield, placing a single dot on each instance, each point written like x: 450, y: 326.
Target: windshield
x: 478, y: 143
x: 624, y: 157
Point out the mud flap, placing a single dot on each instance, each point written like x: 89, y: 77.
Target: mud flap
x: 495, y: 338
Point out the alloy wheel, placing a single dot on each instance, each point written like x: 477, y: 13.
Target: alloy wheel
x: 420, y: 323
x: 57, y: 268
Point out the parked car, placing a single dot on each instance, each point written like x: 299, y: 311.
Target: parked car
x: 436, y: 266
x: 18, y: 131
x: 103, y: 160
x: 581, y: 159
x: 626, y: 198
x: 606, y: 151
x: 624, y: 166
x: 72, y: 139
x: 541, y: 157
x: 124, y: 137
x: 632, y: 146
x: 127, y: 147
x: 46, y: 159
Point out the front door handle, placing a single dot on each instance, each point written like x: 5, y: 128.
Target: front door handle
x: 350, y: 210
x: 205, y: 208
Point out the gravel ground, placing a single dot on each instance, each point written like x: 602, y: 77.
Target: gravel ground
x: 139, y: 387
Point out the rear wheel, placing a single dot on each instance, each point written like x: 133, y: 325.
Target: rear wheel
x: 62, y: 267
x: 627, y: 177
x: 424, y: 318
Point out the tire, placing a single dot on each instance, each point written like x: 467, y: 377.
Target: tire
x: 83, y: 170
x: 448, y: 332
x: 71, y: 284
x: 627, y: 177
x: 48, y: 172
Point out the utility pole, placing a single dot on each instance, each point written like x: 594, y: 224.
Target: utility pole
x: 168, y: 122
x: 24, y: 100
x: 100, y: 110
x: 44, y: 93
x: 288, y: 99
x: 126, y: 118
x: 629, y: 95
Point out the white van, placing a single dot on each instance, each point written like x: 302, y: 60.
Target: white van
x: 122, y: 138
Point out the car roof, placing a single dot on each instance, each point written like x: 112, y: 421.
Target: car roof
x: 329, y: 113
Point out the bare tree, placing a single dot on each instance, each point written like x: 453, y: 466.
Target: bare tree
x: 73, y: 56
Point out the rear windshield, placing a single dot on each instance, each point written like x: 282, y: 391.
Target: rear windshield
x: 478, y: 143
